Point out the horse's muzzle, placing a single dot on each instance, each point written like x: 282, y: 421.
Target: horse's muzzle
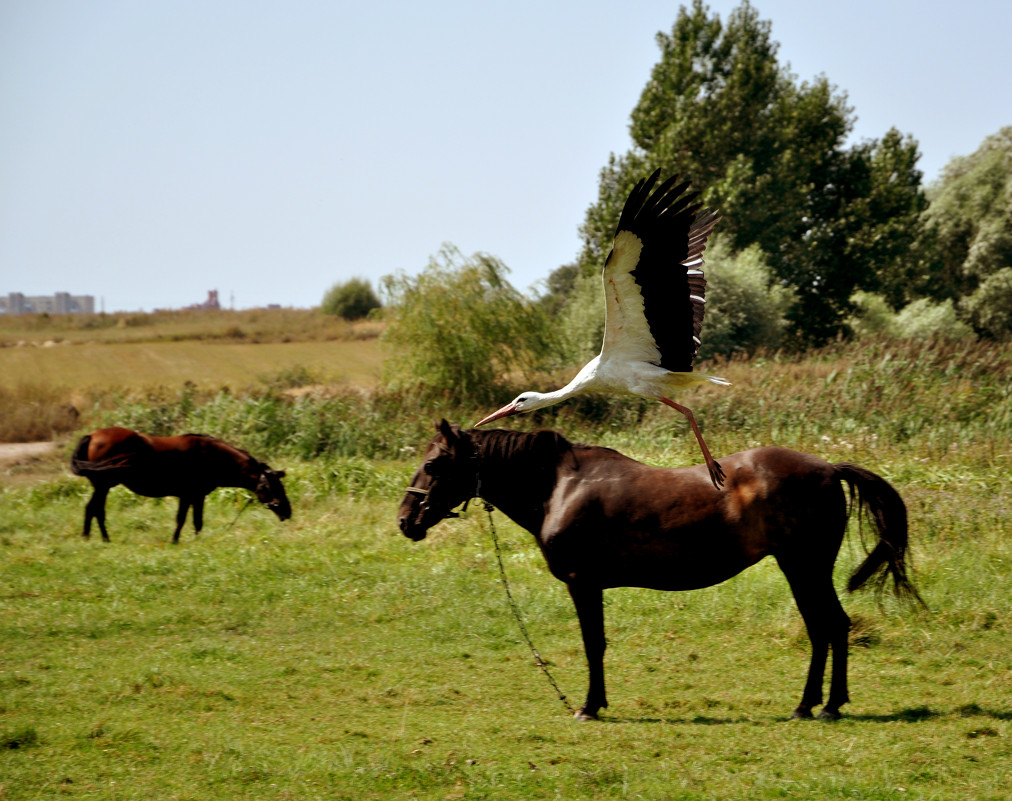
x: 282, y: 510
x: 415, y: 533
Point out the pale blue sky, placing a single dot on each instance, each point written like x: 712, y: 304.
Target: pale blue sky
x: 151, y: 151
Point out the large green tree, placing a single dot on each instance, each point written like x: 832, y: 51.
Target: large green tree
x: 769, y: 152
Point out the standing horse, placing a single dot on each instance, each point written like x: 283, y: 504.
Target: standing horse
x: 604, y: 520
x: 188, y: 467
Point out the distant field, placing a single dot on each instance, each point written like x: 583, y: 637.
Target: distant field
x: 250, y: 325
x: 206, y: 364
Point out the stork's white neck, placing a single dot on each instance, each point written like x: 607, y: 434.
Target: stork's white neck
x: 539, y: 400
x: 582, y: 382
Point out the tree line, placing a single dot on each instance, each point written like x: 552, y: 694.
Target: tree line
x: 818, y: 239
x: 827, y: 220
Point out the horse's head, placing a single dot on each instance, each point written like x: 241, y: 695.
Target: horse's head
x: 271, y: 492
x: 446, y: 478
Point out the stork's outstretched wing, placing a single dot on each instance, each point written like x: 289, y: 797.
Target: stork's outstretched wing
x: 654, y: 289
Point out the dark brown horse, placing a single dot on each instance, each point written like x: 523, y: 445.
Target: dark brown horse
x: 188, y: 467
x: 604, y: 520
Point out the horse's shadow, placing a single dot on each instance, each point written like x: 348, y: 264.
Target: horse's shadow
x: 908, y: 715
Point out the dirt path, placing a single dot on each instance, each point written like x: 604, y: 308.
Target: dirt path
x: 11, y: 452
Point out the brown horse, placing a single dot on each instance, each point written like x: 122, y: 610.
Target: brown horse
x: 188, y: 467
x: 604, y: 520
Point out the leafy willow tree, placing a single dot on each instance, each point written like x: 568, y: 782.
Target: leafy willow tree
x: 769, y: 153
x: 460, y: 328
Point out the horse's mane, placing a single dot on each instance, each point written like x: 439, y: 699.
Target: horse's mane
x: 544, y: 444
x: 505, y: 445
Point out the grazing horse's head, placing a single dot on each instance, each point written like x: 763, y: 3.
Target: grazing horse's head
x: 447, y: 478
x: 271, y: 492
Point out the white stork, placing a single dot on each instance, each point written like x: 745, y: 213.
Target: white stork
x: 654, y: 301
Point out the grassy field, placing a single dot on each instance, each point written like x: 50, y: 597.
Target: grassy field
x: 331, y: 658
x: 88, y: 368
x: 58, y: 374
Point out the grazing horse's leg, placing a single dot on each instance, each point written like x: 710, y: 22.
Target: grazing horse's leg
x: 589, y: 602
x: 88, y: 513
x: 184, y: 507
x: 96, y: 509
x: 826, y: 623
x: 198, y: 513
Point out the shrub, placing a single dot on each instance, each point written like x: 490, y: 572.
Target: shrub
x: 922, y: 319
x: 990, y: 306
x: 745, y: 312
x: 461, y: 328
x: 350, y: 300
x: 31, y: 412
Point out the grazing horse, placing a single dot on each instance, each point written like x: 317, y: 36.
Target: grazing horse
x: 604, y: 520
x: 188, y: 467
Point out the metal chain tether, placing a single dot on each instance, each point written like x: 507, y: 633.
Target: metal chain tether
x: 516, y: 610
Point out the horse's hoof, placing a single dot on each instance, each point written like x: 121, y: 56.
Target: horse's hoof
x: 583, y: 716
x: 802, y: 714
x: 830, y: 714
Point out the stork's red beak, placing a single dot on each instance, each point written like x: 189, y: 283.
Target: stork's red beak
x: 505, y: 411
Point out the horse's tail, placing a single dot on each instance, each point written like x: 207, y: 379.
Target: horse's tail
x: 876, y: 498
x: 81, y: 466
x: 79, y: 459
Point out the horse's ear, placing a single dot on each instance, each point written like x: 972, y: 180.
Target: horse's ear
x: 279, y: 473
x: 444, y: 428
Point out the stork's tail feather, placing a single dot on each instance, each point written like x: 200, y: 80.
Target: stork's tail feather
x: 676, y: 382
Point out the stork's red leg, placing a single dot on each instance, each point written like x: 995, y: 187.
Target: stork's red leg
x: 716, y: 471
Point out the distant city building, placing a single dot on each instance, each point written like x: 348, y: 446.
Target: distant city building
x: 60, y: 303
x: 211, y: 304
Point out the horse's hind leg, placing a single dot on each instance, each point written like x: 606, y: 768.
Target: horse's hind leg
x: 184, y: 507
x: 839, y: 640
x: 198, y: 513
x: 589, y: 602
x: 827, y: 624
x: 95, y: 509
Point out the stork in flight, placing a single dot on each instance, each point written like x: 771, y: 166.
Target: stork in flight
x: 654, y: 301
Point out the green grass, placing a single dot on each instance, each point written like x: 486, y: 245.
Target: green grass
x: 332, y: 658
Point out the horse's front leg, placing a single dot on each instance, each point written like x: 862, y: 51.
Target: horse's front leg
x: 184, y: 507
x: 589, y: 602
